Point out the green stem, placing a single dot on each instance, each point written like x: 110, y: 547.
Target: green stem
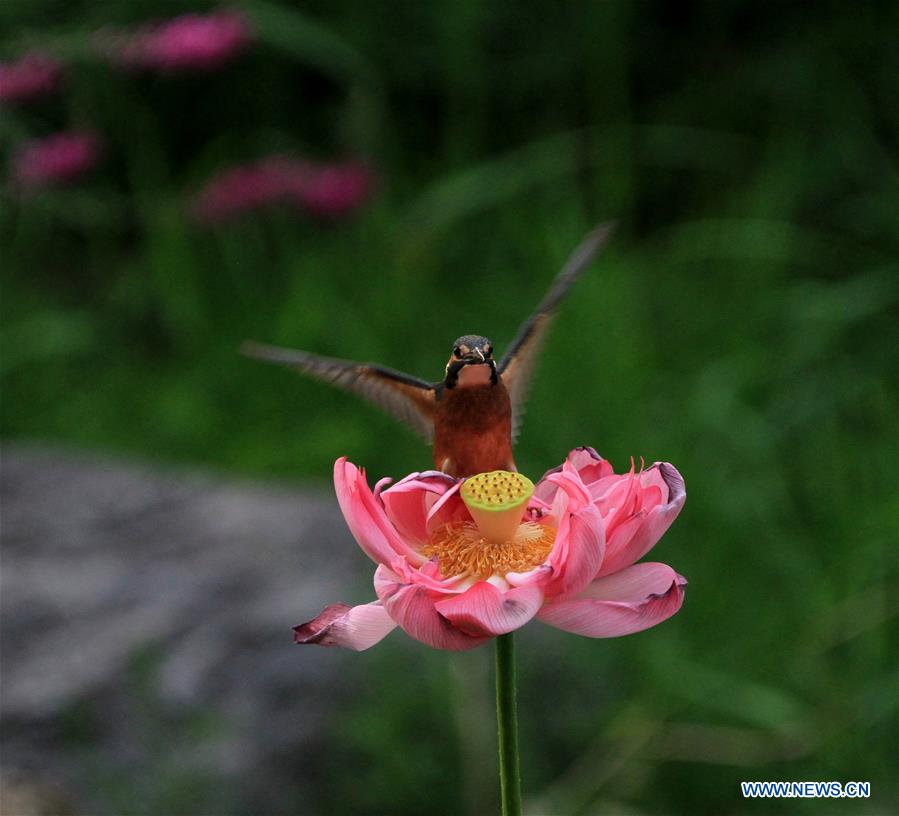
x: 507, y: 721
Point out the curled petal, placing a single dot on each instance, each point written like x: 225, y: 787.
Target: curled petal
x: 382, y: 484
x: 409, y: 501
x: 427, y: 575
x: 634, y: 538
x: 449, y: 508
x: 618, y: 496
x: 485, y: 611
x: 633, y: 599
x: 589, y: 465
x: 634, y: 583
x: 411, y: 605
x: 577, y: 553
x: 366, y: 518
x: 353, y: 627
x: 539, y: 576
x: 569, y: 483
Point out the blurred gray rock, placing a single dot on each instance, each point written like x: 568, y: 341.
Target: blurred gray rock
x: 133, y: 596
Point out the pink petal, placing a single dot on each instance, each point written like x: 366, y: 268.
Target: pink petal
x: 634, y: 583
x: 410, y: 500
x: 366, y: 518
x: 448, y: 509
x: 654, y: 476
x: 589, y: 465
x: 577, y: 553
x: 427, y: 575
x: 568, y: 480
x: 633, y: 544
x: 411, y: 605
x: 624, y: 502
x: 538, y: 575
x: 605, y: 490
x: 485, y: 611
x: 629, y: 601
x: 353, y: 627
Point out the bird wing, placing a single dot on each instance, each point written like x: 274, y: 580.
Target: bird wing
x: 517, y: 366
x: 405, y: 398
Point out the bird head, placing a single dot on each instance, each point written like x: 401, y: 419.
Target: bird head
x: 474, y: 352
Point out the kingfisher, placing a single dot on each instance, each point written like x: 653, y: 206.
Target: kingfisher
x: 471, y: 416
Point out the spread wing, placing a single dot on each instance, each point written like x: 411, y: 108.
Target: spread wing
x: 405, y: 398
x: 517, y: 366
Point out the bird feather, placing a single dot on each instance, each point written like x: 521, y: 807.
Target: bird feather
x: 403, y: 396
x: 518, y: 364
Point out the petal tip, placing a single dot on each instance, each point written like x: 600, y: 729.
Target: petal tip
x: 590, y: 451
x: 316, y: 630
x: 679, y: 585
x: 353, y: 627
x: 677, y: 490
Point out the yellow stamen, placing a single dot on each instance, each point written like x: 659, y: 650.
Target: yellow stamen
x: 497, y: 542
x: 461, y: 549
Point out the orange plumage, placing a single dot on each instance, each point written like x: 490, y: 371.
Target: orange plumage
x: 473, y: 430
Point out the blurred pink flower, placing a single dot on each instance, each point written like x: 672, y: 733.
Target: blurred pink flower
x: 450, y: 581
x: 335, y: 189
x: 190, y: 42
x: 329, y: 190
x: 243, y: 189
x: 31, y: 76
x: 58, y: 159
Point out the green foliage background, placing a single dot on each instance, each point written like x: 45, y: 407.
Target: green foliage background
x: 743, y: 325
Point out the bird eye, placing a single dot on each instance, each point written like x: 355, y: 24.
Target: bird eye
x: 488, y: 350
x: 457, y: 352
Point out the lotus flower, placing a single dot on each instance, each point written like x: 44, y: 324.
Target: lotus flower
x: 463, y: 561
x: 190, y: 42
x: 58, y: 159
x: 32, y: 76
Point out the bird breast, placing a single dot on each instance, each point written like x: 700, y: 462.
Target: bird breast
x: 472, y: 376
x: 473, y: 430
